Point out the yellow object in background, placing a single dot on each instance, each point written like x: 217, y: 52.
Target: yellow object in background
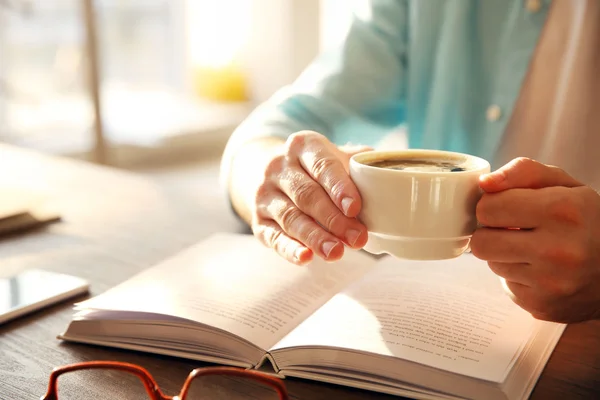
x: 222, y: 83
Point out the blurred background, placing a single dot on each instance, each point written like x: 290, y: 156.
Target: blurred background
x: 155, y: 86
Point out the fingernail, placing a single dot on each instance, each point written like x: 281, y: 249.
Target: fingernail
x: 302, y: 256
x: 298, y: 254
x: 346, y: 203
x: 327, y: 247
x: 352, y: 236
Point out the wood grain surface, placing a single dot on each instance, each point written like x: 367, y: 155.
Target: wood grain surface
x: 115, y: 224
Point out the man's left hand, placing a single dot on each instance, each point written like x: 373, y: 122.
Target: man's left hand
x: 541, y: 235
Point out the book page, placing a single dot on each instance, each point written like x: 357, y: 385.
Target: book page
x: 234, y: 283
x: 451, y: 315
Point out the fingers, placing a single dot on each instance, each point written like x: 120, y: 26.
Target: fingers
x: 305, y: 204
x: 312, y: 200
x: 299, y: 226
x: 271, y: 235
x: 318, y: 158
x: 532, y: 208
x: 526, y: 173
x: 520, y: 294
x: 515, y: 208
x: 539, y: 306
x: 513, y: 272
x: 503, y: 245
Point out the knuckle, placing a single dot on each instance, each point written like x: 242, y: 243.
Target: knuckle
x: 265, y: 234
x: 262, y: 193
x: 337, y: 188
x: 525, y: 165
x: 525, y: 161
x: 313, y: 238
x: 274, y: 237
x: 289, y: 217
x: 566, y: 209
x: 310, y: 135
x: 334, y: 221
x: 279, y: 246
x: 305, y: 193
x: 322, y: 166
x: 300, y: 139
x: 275, y: 166
x: 295, y: 141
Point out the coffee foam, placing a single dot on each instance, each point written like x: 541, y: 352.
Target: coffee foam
x: 466, y: 161
x: 421, y: 163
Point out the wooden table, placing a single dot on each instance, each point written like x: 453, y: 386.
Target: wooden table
x: 117, y: 224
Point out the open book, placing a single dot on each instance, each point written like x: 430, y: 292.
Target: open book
x: 426, y: 329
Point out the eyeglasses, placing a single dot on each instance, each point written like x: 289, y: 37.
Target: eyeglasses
x: 209, y: 383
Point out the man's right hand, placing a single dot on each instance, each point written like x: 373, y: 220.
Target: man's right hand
x: 304, y: 202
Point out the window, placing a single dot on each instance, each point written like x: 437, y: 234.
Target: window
x: 44, y: 102
x: 148, y: 49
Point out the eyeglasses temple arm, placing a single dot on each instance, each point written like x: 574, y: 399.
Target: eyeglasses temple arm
x: 149, y: 384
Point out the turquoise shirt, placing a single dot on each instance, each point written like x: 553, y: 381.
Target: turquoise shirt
x: 435, y: 66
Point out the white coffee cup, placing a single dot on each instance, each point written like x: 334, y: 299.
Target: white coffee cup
x: 418, y: 213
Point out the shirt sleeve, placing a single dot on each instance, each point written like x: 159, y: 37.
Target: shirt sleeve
x: 353, y: 94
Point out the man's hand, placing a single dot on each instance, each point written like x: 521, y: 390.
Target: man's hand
x: 541, y: 234
x: 305, y: 202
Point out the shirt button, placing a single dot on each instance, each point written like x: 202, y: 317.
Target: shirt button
x: 493, y: 113
x: 533, y: 5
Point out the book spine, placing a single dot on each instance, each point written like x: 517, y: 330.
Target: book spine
x: 268, y: 365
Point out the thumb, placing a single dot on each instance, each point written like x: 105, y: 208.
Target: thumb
x: 525, y: 173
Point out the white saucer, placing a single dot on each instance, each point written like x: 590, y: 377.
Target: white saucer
x: 417, y: 248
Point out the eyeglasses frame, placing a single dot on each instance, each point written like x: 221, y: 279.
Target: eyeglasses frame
x: 152, y: 387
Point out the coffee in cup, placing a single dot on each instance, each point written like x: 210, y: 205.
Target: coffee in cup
x: 419, y: 164
x: 418, y: 204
